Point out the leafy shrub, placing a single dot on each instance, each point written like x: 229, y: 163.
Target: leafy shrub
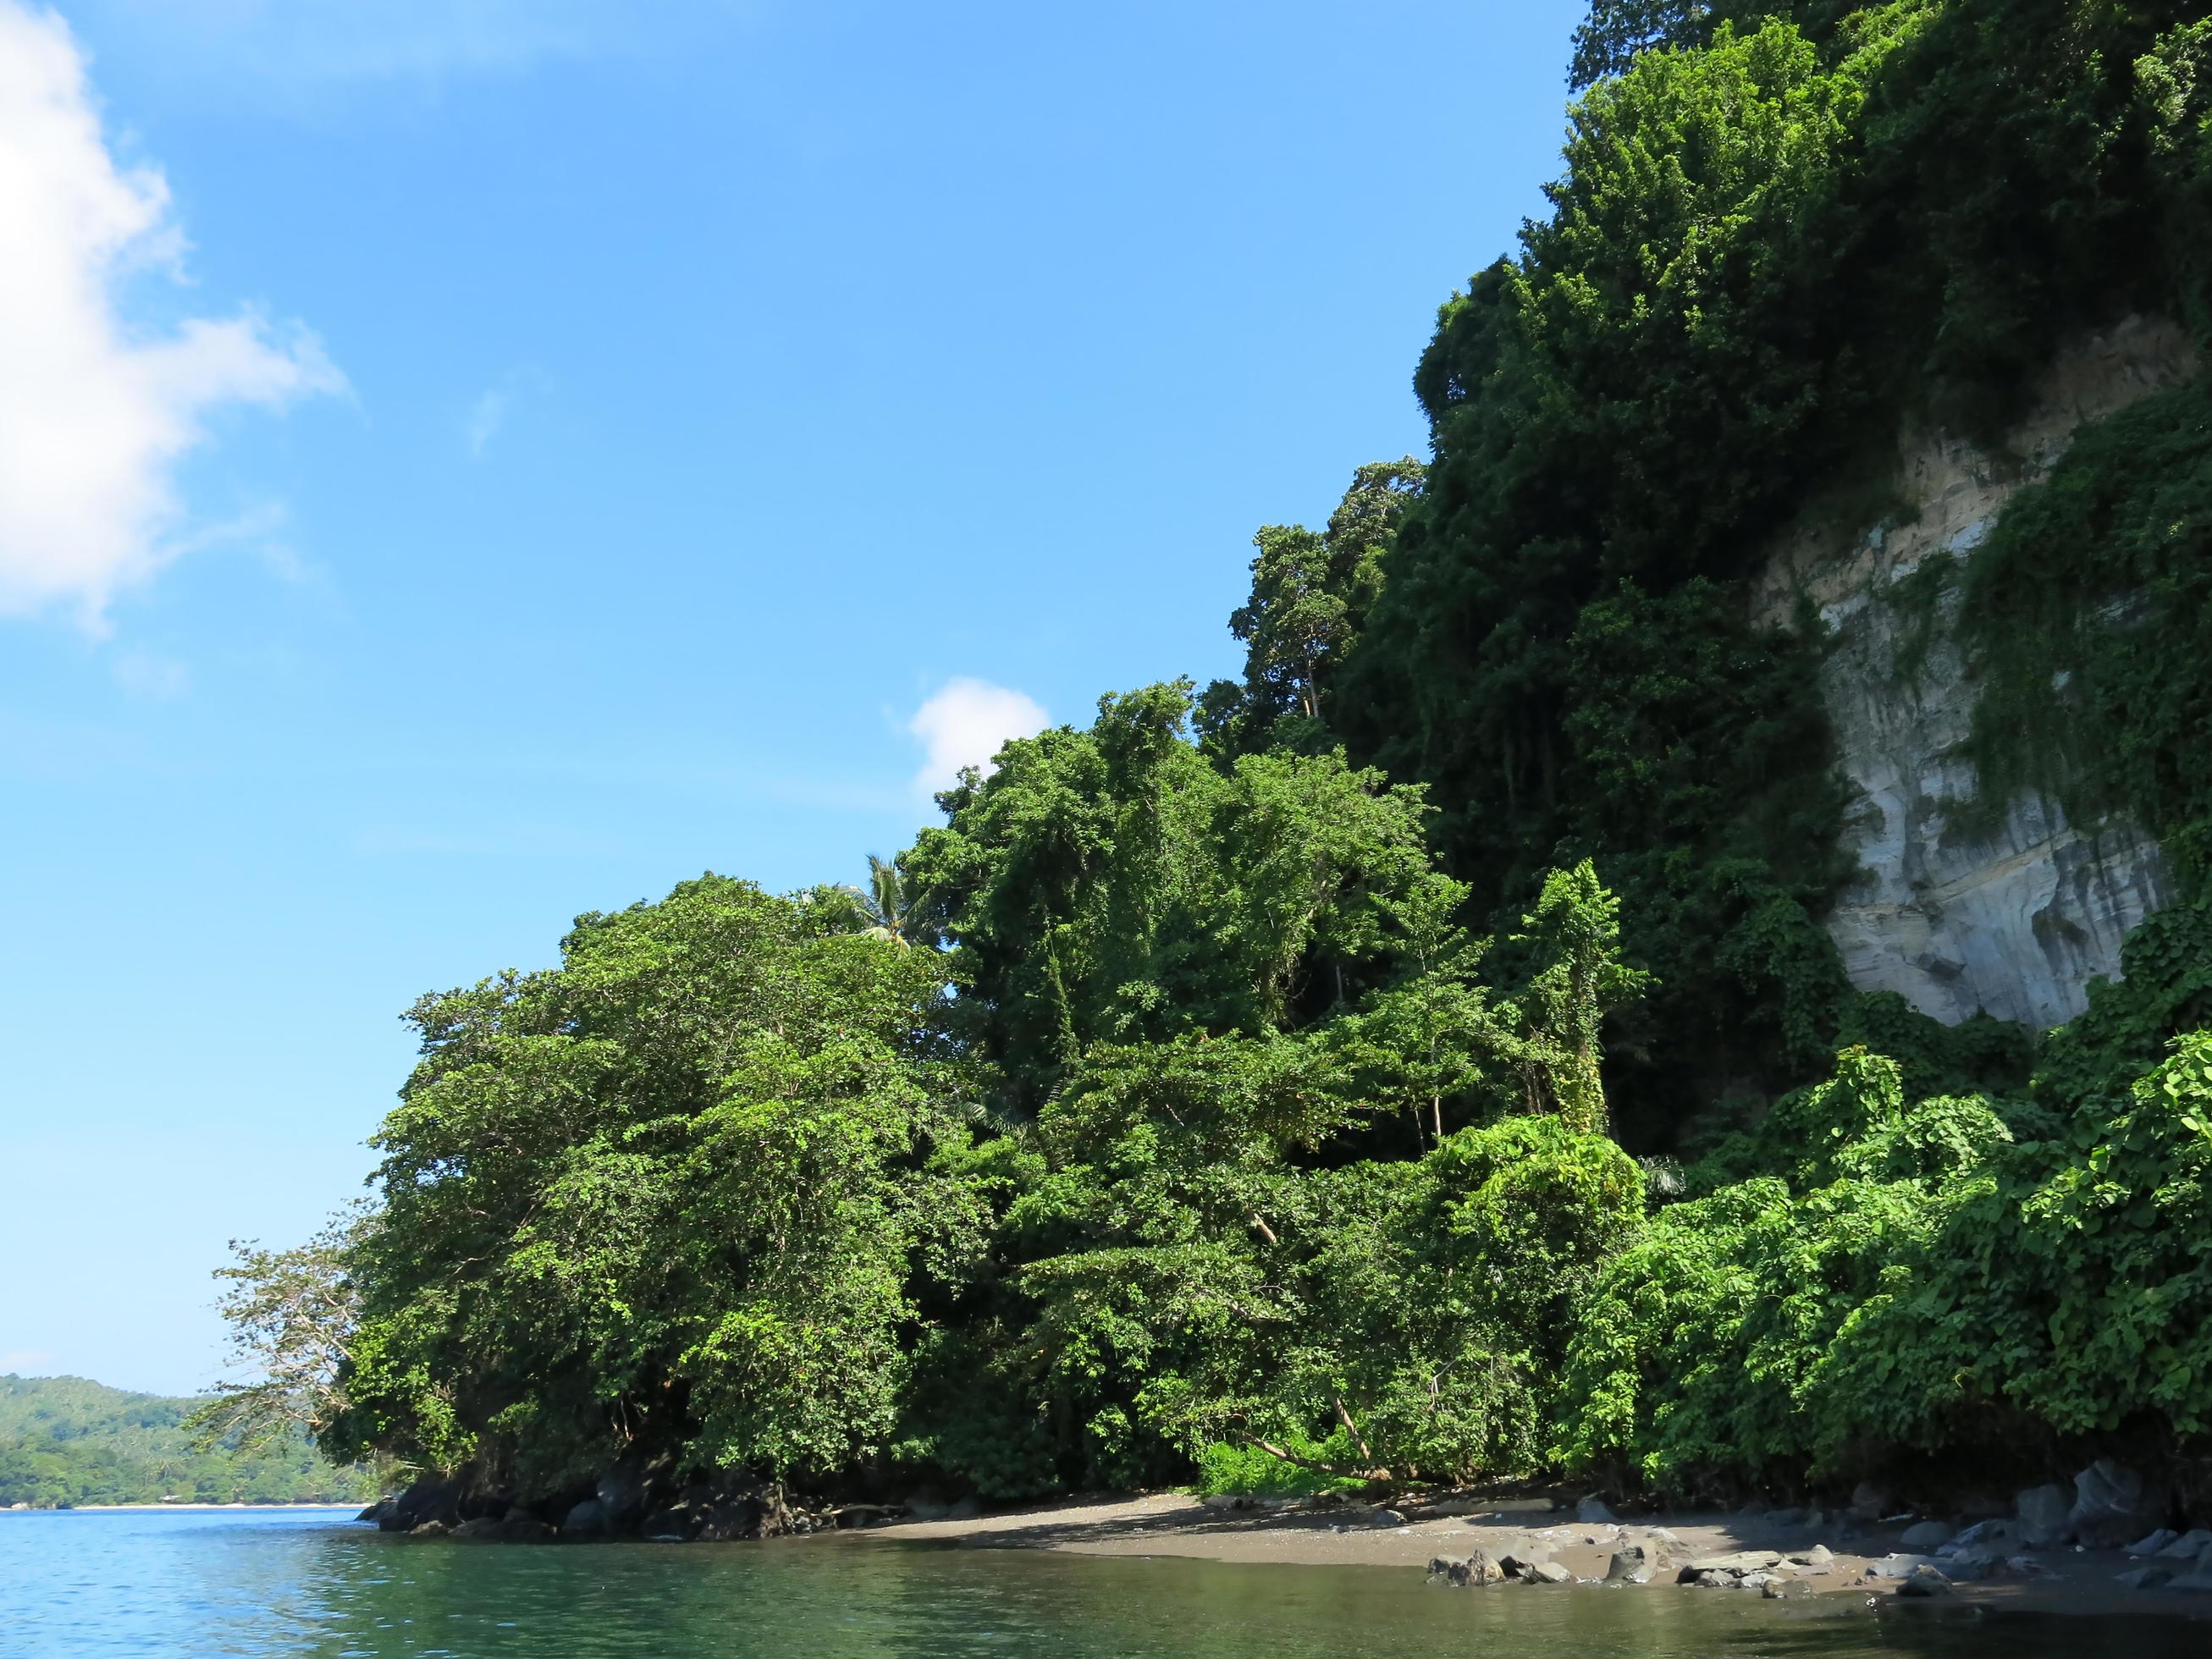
x: 1246, y: 1471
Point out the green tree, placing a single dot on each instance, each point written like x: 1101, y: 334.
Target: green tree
x: 660, y: 1198
x: 1310, y: 598
x: 885, y: 909
x: 1114, y: 886
x: 1576, y: 932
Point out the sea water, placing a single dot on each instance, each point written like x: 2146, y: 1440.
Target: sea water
x: 316, y: 1582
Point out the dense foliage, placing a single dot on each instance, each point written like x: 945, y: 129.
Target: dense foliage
x: 65, y: 1441
x: 1237, y: 1088
x: 1782, y: 231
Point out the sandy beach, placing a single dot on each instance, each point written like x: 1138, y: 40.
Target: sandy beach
x: 1174, y: 1524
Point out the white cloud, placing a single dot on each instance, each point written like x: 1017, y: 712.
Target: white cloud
x: 964, y: 725
x: 23, y: 1359
x: 95, y: 415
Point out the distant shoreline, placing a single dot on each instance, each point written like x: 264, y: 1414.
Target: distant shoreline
x: 111, y: 1509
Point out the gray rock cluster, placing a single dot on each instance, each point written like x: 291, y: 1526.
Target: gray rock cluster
x: 1773, y: 1573
x: 2110, y: 1506
x: 1523, y: 1564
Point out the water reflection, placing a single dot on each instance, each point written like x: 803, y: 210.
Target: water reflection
x: 267, y: 1584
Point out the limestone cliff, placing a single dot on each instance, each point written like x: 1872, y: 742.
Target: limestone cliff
x: 2015, y: 920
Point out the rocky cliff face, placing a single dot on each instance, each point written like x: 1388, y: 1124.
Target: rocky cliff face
x: 2016, y: 921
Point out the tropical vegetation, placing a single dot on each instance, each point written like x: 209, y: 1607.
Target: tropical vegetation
x: 1422, y: 1058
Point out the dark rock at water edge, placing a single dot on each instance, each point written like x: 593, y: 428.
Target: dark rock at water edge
x: 516, y: 1527
x: 1464, y: 1572
x: 2113, y: 1504
x: 1634, y: 1564
x: 586, y: 1520
x: 1924, y: 1581
x: 621, y: 1504
x: 415, y: 1507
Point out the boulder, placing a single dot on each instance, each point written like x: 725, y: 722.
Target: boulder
x: 1777, y: 1590
x: 1212, y: 1500
x: 1631, y: 1564
x: 428, y: 1529
x: 1972, y: 1563
x: 1868, y: 1502
x: 2187, y: 1548
x: 2042, y: 1511
x: 2146, y: 1577
x: 1521, y: 1561
x: 1711, y: 1580
x: 1898, y: 1566
x: 1385, y: 1518
x: 1592, y: 1511
x: 425, y: 1500
x: 1817, y: 1560
x: 1758, y: 1580
x: 2023, y: 1567
x: 2153, y: 1543
x: 1471, y: 1572
x: 377, y: 1510
x: 623, y: 1493
x: 2112, y: 1504
x: 586, y: 1520
x: 1924, y: 1580
x: 1662, y: 1538
x: 1925, y: 1535
x: 1547, y: 1573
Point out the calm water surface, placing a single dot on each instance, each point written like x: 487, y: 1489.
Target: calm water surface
x: 315, y: 1582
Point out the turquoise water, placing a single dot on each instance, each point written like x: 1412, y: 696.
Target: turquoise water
x: 315, y: 1582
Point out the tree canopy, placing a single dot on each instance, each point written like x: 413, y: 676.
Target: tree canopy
x: 1422, y: 1058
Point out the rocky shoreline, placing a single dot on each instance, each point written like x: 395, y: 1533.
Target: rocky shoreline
x: 2116, y: 1538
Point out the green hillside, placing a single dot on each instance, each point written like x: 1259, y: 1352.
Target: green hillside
x: 66, y: 1441
x: 1426, y: 1058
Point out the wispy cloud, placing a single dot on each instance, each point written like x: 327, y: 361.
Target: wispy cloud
x: 95, y: 414
x: 24, y: 1359
x: 965, y: 724
x: 152, y: 675
x: 487, y: 415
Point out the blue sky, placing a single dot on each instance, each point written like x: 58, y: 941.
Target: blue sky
x: 464, y: 464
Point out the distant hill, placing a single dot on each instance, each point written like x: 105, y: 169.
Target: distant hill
x: 66, y: 1441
